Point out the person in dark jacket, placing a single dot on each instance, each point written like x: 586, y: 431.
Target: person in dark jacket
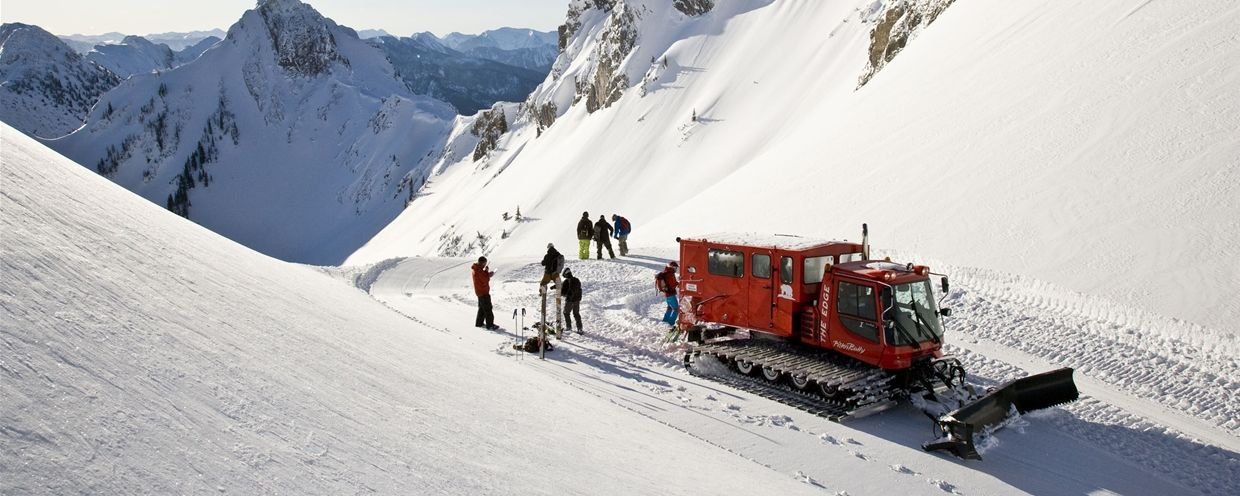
x: 482, y: 288
x: 622, y: 233
x: 602, y: 236
x: 585, y: 231
x: 552, y: 263
x: 667, y: 285
x: 571, y: 290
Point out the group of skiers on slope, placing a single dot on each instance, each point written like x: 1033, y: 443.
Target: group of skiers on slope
x: 602, y: 232
x: 570, y: 286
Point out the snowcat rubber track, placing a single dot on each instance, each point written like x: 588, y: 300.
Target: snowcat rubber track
x: 871, y: 387
x: 1026, y: 394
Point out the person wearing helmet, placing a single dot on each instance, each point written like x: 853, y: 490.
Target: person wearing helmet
x: 585, y: 231
x: 482, y: 288
x: 553, y: 263
x: 571, y: 289
x: 666, y: 283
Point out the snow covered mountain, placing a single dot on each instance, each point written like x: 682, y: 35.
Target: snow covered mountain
x: 468, y: 82
x: 291, y: 136
x: 46, y: 88
x: 534, y: 50
x: 1087, y: 146
x: 137, y: 55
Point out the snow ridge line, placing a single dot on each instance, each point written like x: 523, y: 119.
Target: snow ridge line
x: 1039, y: 319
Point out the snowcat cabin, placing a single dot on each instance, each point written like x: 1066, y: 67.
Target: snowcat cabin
x: 761, y: 283
x: 882, y: 313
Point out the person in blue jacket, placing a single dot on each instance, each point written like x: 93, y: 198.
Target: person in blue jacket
x: 621, y: 232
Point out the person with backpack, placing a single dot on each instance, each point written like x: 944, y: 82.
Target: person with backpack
x: 602, y: 237
x: 585, y: 231
x: 622, y: 233
x: 553, y: 263
x: 482, y: 289
x: 665, y: 282
x: 571, y: 290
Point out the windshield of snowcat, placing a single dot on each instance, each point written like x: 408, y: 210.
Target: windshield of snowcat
x: 912, y: 314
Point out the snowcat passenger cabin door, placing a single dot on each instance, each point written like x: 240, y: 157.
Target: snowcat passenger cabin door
x: 761, y: 293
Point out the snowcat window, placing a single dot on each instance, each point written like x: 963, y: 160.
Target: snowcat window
x: 785, y: 270
x: 814, y: 268
x: 856, y: 300
x: 855, y: 304
x: 914, y: 309
x: 850, y: 257
x: 725, y: 263
x: 762, y: 265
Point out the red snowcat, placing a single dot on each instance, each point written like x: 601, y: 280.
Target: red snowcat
x: 838, y: 334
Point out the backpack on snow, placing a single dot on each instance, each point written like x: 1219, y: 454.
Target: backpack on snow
x: 531, y: 345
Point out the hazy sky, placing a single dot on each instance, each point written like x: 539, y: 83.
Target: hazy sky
x: 398, y: 17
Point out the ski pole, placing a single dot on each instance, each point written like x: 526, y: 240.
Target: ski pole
x: 514, y: 324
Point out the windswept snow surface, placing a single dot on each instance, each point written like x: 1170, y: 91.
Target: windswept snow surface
x: 1089, y: 145
x: 142, y: 354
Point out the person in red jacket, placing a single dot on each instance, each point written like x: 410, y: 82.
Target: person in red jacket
x: 482, y: 288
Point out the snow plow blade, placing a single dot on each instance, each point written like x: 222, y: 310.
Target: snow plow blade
x: 1025, y: 395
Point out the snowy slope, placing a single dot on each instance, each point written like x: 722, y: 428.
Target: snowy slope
x: 292, y: 136
x: 46, y: 88
x: 145, y: 355
x: 1089, y: 146
x: 1115, y: 440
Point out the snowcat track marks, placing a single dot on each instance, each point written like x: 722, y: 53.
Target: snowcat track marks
x: 1026, y: 394
x: 870, y: 391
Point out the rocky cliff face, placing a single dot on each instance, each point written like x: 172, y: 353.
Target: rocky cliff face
x: 895, y: 24
x: 303, y: 42
x: 694, y: 7
x: 46, y: 88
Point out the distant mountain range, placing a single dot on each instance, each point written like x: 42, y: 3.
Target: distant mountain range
x: 289, y: 133
x: 291, y: 136
x: 138, y: 55
x: 470, y: 83
x: 175, y: 41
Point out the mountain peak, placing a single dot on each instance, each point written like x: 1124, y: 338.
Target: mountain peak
x: 302, y: 38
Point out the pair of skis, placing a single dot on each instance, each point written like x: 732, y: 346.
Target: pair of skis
x: 542, y: 327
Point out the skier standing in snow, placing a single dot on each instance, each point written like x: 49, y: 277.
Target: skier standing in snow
x: 622, y: 233
x: 666, y: 283
x: 602, y: 236
x: 585, y: 231
x: 482, y: 288
x: 571, y: 290
x: 552, y: 263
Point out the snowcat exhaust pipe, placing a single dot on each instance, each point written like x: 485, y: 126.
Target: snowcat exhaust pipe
x: 1025, y: 395
x: 865, y: 242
